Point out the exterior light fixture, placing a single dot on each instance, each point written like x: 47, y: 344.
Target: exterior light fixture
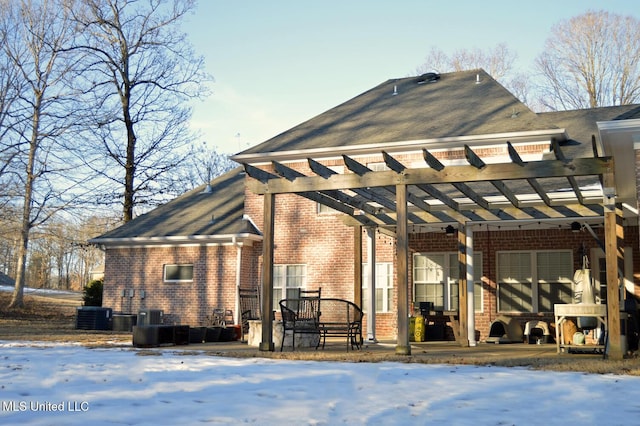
x: 449, y: 230
x: 575, y: 227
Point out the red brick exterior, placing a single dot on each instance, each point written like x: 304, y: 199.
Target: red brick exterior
x: 494, y: 240
x: 325, y: 244
x: 141, y: 269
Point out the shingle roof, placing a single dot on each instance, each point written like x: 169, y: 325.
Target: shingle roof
x: 454, y: 105
x: 582, y: 124
x: 191, y: 214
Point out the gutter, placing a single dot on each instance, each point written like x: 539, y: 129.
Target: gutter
x: 177, y: 240
x: 401, y: 146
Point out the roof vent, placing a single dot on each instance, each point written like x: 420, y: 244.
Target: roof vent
x: 430, y: 77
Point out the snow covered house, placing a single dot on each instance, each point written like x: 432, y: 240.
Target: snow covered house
x: 438, y: 191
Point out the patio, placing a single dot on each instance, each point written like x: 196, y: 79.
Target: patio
x: 516, y: 354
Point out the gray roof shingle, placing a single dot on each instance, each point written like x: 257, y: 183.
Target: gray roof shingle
x: 191, y: 214
x: 581, y: 124
x: 454, y: 105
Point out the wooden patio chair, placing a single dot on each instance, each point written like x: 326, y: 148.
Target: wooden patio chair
x: 249, y: 308
x: 303, y: 293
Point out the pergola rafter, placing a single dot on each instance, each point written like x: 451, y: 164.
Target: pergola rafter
x: 374, y: 202
x: 401, y: 196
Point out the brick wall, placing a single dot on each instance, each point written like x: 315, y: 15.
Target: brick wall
x: 141, y: 269
x: 325, y: 244
x: 494, y: 240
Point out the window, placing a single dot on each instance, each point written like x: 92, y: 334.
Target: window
x: 378, y: 167
x: 286, y: 280
x: 534, y: 281
x: 384, y: 287
x: 178, y: 273
x: 435, y: 280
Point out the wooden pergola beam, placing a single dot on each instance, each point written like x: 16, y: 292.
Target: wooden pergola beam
x: 360, y: 169
x: 555, y: 146
x: 341, y: 198
x: 398, y: 167
x: 453, y: 174
x: 325, y: 172
x: 515, y: 157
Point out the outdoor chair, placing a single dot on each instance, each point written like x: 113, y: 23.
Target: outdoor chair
x: 221, y: 317
x: 341, y: 318
x: 300, y: 316
x: 249, y: 308
x: 302, y: 293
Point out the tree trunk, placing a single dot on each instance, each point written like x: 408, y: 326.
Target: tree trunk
x: 17, y: 301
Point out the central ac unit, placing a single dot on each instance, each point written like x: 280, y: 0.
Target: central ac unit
x: 93, y: 318
x: 150, y: 317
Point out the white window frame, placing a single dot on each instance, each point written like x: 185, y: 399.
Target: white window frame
x: 449, y: 279
x: 188, y: 273
x: 287, y: 277
x: 378, y: 166
x: 533, y: 278
x: 384, y: 287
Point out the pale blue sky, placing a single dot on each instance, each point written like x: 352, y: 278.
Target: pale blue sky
x: 279, y: 63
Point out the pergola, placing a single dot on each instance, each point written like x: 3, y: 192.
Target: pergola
x: 433, y: 194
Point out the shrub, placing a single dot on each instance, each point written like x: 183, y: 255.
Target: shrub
x: 92, y: 293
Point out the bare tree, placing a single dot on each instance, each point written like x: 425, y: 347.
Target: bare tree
x: 11, y: 85
x: 203, y: 164
x: 9, y: 239
x: 36, y: 36
x: 592, y: 60
x: 141, y: 72
x: 497, y: 61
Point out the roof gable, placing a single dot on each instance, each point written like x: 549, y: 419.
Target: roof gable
x: 458, y: 104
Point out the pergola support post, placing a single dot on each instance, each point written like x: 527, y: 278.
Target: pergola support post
x: 402, y: 252
x: 462, y: 287
x: 371, y: 284
x: 267, y: 273
x: 471, y: 311
x: 613, y: 234
x: 357, y: 265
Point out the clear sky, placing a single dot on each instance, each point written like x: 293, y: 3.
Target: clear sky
x: 279, y: 63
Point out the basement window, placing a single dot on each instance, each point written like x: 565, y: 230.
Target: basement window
x: 178, y: 273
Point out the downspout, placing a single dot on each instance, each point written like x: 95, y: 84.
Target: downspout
x: 238, y: 271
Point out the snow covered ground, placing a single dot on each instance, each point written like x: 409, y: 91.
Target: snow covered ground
x: 53, y: 384
x: 47, y: 384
